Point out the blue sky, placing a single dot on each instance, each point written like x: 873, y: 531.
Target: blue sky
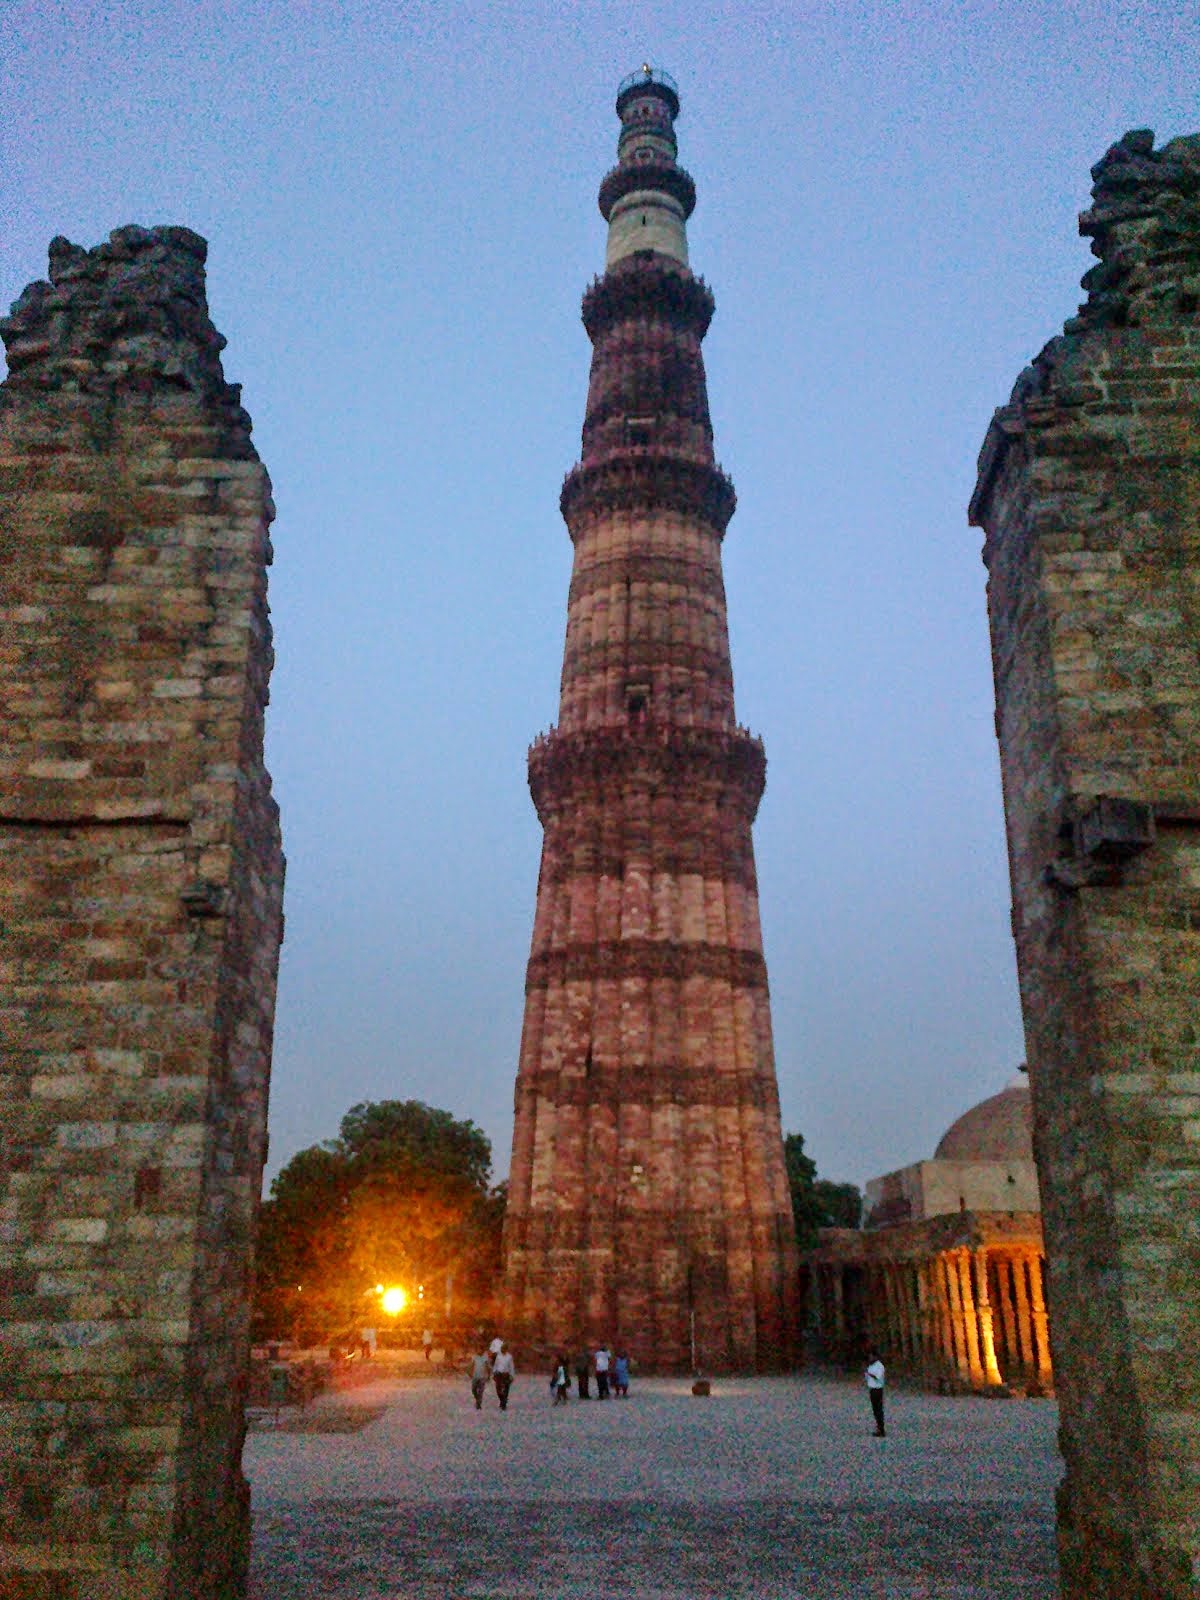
x: 400, y: 203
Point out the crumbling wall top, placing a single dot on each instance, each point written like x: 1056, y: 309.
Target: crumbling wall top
x: 129, y: 315
x: 1144, y: 224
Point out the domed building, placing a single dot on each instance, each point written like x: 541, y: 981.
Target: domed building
x: 946, y: 1277
x: 999, y: 1128
x: 983, y: 1162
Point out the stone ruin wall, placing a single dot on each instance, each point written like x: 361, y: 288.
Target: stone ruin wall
x: 1089, y: 492
x: 141, y: 883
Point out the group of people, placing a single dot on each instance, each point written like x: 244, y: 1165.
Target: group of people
x: 611, y: 1374
x: 494, y: 1365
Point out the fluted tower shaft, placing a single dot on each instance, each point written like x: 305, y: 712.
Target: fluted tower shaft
x: 648, y: 1202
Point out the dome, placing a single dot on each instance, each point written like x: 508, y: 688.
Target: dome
x: 997, y: 1129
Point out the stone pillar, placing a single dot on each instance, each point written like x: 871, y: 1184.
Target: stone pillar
x: 964, y: 1364
x: 895, y: 1300
x: 909, y: 1320
x: 927, y: 1322
x: 941, y: 1317
x: 818, y: 1314
x: 961, y: 1269
x: 983, y: 1311
x: 883, y: 1304
x: 888, y: 1331
x: 933, y: 1315
x: 1041, y: 1324
x: 140, y: 889
x: 838, y: 1299
x: 1008, y: 1321
x: 1089, y: 493
x: 956, y: 1333
x: 1024, y: 1320
x: 899, y: 1294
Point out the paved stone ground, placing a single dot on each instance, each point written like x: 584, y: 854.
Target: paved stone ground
x: 773, y: 1489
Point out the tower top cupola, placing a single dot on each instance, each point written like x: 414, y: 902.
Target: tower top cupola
x: 647, y: 197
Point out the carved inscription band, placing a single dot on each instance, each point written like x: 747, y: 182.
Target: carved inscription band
x: 646, y: 958
x: 693, y: 577
x: 653, y: 1087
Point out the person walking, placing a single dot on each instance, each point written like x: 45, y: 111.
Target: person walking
x: 603, y: 1359
x: 620, y: 1376
x: 583, y: 1372
x: 876, y: 1375
x: 560, y: 1382
x: 427, y: 1342
x: 503, y: 1372
x: 481, y: 1371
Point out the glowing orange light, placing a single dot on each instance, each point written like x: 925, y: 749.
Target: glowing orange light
x: 394, y: 1300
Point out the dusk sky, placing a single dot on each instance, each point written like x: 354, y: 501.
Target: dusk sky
x: 400, y: 204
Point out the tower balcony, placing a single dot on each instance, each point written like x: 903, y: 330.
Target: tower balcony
x: 648, y: 171
x: 729, y: 763
x: 642, y: 478
x: 647, y: 285
x: 648, y: 80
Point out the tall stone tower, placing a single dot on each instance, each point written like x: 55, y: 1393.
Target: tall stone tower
x: 648, y: 1202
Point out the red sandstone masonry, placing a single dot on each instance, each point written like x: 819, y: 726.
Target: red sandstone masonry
x: 140, y: 889
x: 647, y: 1176
x: 1089, y: 493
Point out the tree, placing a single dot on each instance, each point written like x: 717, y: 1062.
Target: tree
x: 816, y: 1202
x: 406, y: 1135
x: 399, y: 1197
x: 841, y: 1203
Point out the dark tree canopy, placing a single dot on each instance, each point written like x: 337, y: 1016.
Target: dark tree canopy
x: 406, y: 1135
x: 816, y: 1202
x: 399, y: 1197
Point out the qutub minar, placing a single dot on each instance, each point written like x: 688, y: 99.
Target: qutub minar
x: 648, y: 1202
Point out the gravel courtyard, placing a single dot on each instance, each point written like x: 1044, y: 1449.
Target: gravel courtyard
x: 772, y: 1489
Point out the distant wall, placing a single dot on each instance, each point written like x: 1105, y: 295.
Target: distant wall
x: 140, y: 891
x: 1089, y: 493
x: 932, y: 1188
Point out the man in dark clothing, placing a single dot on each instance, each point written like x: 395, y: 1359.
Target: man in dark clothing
x: 582, y: 1374
x: 481, y: 1371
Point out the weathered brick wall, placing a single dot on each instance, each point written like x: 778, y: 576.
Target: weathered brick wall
x: 1089, y: 493
x: 140, y: 891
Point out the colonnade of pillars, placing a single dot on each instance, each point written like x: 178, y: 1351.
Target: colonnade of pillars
x: 972, y: 1319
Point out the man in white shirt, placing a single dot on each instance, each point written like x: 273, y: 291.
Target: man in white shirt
x: 875, y: 1375
x: 503, y: 1372
x: 602, y: 1360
